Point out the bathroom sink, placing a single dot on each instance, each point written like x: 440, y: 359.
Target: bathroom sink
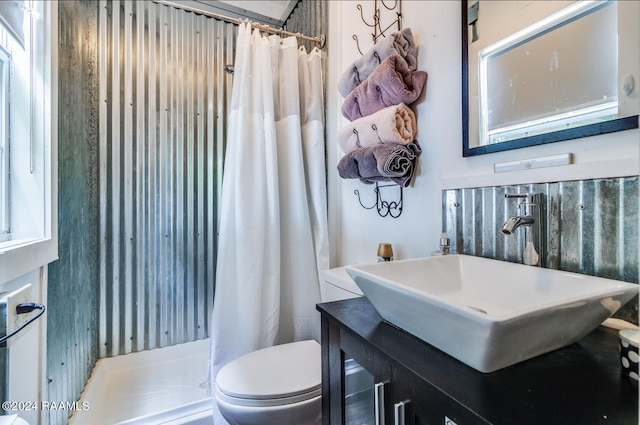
x: 489, y: 314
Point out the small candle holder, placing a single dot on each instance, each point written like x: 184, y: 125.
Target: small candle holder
x: 385, y: 252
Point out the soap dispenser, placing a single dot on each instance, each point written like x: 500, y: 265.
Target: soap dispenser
x: 445, y: 245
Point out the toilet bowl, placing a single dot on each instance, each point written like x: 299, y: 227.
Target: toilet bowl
x: 280, y: 384
x: 275, y: 385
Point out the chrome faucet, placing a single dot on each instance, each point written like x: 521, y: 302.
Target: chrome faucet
x: 532, y: 220
x: 514, y: 222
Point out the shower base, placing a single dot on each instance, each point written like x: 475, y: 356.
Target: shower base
x: 160, y: 386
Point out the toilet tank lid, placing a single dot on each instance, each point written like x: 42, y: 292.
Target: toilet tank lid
x: 285, y: 370
x: 338, y: 277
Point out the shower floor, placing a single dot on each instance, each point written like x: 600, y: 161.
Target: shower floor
x: 160, y: 386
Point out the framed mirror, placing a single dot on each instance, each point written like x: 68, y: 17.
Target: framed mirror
x: 538, y: 71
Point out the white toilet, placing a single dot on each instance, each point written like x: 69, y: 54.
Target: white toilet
x: 280, y: 385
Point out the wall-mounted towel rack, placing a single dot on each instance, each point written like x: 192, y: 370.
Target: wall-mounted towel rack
x: 384, y: 208
x: 377, y: 20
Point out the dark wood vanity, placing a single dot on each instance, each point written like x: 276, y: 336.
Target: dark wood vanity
x: 415, y: 383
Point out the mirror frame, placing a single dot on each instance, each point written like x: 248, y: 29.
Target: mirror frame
x: 618, y: 124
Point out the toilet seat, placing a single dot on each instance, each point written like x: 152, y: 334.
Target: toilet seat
x: 274, y: 376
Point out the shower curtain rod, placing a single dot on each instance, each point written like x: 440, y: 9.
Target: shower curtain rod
x: 321, y: 39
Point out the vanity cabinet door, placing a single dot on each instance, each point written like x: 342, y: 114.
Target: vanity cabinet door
x: 365, y: 388
x: 406, y: 401
x: 355, y: 372
x: 377, y: 391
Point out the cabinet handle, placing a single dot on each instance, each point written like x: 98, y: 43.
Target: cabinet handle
x: 401, y: 413
x: 378, y: 402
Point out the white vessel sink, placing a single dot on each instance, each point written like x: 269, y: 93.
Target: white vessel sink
x: 486, y: 313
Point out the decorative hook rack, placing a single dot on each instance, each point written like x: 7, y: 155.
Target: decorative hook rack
x: 377, y: 19
x: 384, y: 208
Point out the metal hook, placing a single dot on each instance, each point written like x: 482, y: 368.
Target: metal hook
x: 382, y: 32
x: 379, y: 90
x: 387, y: 7
x: 357, y: 138
x: 377, y: 22
x: 355, y: 37
x: 375, y: 128
x: 357, y: 193
x: 355, y: 100
x: 355, y: 69
x: 375, y: 17
x: 392, y: 209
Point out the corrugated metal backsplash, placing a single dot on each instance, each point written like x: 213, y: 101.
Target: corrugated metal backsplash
x: 592, y: 227
x: 163, y: 109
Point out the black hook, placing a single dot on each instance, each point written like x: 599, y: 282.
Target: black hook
x: 355, y: 70
x: 355, y: 100
x: 379, y: 90
x: 392, y: 209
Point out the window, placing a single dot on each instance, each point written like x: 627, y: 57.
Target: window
x: 28, y: 216
x: 536, y: 81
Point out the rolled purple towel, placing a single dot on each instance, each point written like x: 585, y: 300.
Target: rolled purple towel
x: 396, y: 161
x: 384, y: 162
x: 391, y: 83
x: 359, y: 164
x: 400, y: 43
x: 395, y: 124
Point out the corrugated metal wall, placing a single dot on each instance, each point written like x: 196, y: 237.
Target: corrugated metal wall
x: 309, y: 18
x: 72, y: 310
x: 592, y: 226
x: 163, y: 107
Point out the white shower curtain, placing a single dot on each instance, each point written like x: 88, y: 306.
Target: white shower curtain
x: 273, y: 222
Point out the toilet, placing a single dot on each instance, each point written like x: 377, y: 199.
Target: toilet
x: 280, y: 385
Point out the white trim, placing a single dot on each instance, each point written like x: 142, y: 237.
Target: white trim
x: 550, y: 21
x: 33, y: 255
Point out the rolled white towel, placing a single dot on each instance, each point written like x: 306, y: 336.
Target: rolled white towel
x: 394, y: 124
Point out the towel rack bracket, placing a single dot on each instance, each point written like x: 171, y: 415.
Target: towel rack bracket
x: 384, y: 208
x: 377, y: 19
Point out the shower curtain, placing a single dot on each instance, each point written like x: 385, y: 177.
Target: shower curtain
x: 273, y: 222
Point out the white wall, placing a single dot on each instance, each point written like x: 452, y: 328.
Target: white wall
x: 27, y: 381
x: 356, y: 232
